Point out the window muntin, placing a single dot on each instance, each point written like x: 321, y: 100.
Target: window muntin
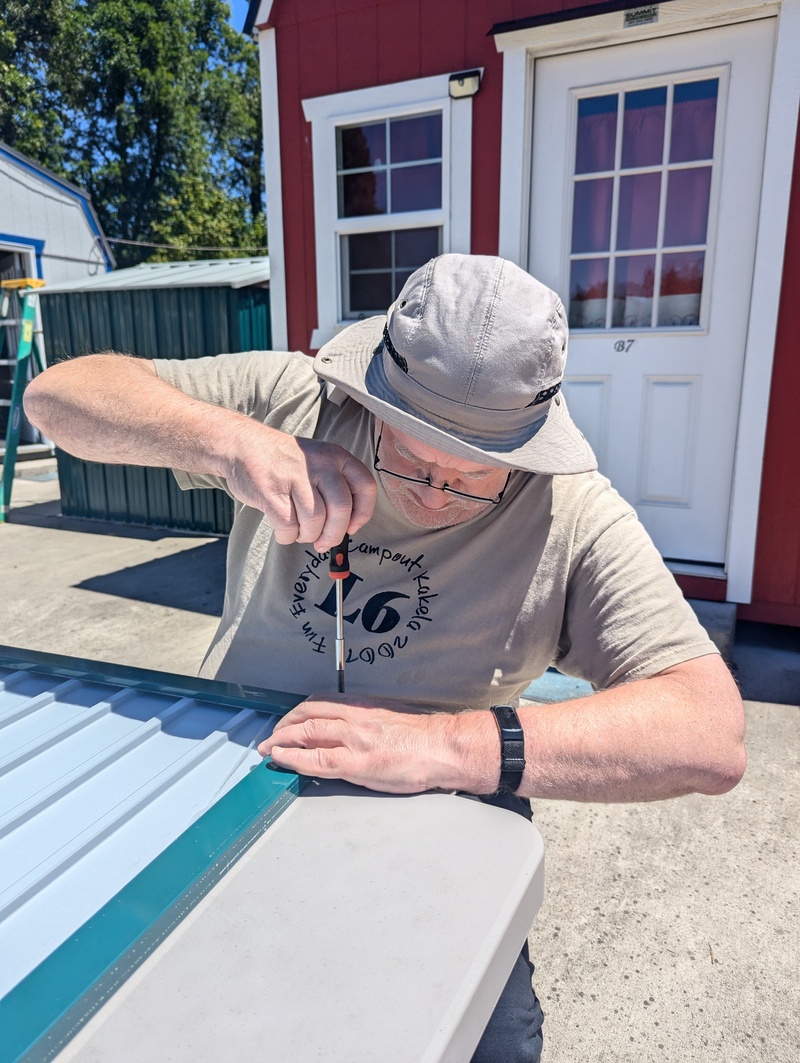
x: 640, y: 206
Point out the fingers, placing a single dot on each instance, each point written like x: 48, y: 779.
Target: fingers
x: 312, y: 491
x: 338, y: 737
x: 332, y: 706
x: 316, y: 732
x: 314, y: 513
x: 314, y: 722
x: 363, y: 492
x: 349, y: 493
x: 337, y: 510
x: 330, y: 495
x: 322, y: 763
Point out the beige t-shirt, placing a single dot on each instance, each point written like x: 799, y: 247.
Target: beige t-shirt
x: 560, y: 572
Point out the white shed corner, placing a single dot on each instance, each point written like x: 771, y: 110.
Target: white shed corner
x: 48, y: 227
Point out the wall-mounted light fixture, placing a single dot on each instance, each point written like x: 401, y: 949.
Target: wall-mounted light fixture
x: 465, y: 83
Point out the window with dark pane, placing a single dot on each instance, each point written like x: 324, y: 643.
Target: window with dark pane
x: 390, y: 167
x: 376, y: 265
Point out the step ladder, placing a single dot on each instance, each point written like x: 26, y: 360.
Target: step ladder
x: 22, y: 295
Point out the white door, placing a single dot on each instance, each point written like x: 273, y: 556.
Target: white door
x: 646, y: 180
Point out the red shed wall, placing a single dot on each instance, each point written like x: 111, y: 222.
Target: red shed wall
x: 776, y: 584
x: 325, y: 47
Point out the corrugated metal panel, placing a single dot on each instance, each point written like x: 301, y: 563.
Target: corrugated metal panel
x: 102, y: 769
x: 211, y: 273
x: 173, y: 323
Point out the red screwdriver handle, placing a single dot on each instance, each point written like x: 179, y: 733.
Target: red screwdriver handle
x: 339, y: 567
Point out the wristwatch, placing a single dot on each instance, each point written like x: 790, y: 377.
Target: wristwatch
x: 512, y: 748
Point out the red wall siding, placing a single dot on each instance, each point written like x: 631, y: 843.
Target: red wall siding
x: 776, y: 585
x: 326, y: 47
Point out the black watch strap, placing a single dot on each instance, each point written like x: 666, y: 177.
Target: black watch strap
x: 512, y: 748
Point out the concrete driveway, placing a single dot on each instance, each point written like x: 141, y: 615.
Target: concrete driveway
x: 669, y: 930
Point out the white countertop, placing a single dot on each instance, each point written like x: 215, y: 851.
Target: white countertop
x: 359, y: 927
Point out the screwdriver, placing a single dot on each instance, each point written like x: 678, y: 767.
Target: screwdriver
x: 339, y: 570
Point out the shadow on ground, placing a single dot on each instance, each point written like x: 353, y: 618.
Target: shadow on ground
x: 193, y: 580
x: 765, y: 659
x: 48, y: 514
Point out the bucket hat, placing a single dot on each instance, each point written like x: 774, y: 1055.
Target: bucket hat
x: 470, y: 360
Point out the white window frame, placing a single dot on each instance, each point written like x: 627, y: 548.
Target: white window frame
x: 402, y: 99
x: 520, y: 50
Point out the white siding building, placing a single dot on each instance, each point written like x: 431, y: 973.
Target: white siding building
x: 48, y: 230
x: 48, y: 227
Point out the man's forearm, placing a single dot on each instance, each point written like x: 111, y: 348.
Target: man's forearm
x: 116, y: 409
x: 676, y: 733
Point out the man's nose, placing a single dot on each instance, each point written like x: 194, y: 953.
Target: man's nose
x: 433, y: 497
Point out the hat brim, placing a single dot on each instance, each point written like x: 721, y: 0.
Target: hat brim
x: 552, y: 445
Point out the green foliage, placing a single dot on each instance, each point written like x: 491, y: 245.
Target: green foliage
x: 153, y: 106
x: 30, y: 105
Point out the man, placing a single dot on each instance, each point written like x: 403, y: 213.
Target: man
x: 484, y: 547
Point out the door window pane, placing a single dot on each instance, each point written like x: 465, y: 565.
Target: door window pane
x: 634, y: 278
x: 591, y: 215
x: 416, y: 138
x: 637, y: 222
x: 687, y: 206
x: 588, y: 293
x: 681, y: 289
x: 376, y: 265
x: 694, y: 114
x: 597, y: 134
x: 643, y: 132
x: 663, y: 205
x: 417, y: 188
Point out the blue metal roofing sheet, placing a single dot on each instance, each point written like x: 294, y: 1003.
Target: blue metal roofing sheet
x: 99, y: 776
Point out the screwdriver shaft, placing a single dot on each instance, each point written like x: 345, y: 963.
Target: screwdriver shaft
x: 340, y: 635
x: 339, y: 569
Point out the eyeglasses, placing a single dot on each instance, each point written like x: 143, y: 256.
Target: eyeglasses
x: 428, y: 480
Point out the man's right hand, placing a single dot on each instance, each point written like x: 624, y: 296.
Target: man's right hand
x: 311, y: 491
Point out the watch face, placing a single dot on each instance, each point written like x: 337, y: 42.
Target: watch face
x: 507, y: 716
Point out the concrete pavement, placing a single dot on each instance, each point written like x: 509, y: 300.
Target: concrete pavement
x: 669, y: 930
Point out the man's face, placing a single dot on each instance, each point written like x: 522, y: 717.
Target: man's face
x: 426, y: 506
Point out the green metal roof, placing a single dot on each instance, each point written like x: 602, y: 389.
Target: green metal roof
x: 202, y: 273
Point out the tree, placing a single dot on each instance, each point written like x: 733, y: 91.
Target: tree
x: 159, y: 105
x: 30, y: 102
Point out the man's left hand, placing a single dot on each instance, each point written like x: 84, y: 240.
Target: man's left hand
x: 396, y: 749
